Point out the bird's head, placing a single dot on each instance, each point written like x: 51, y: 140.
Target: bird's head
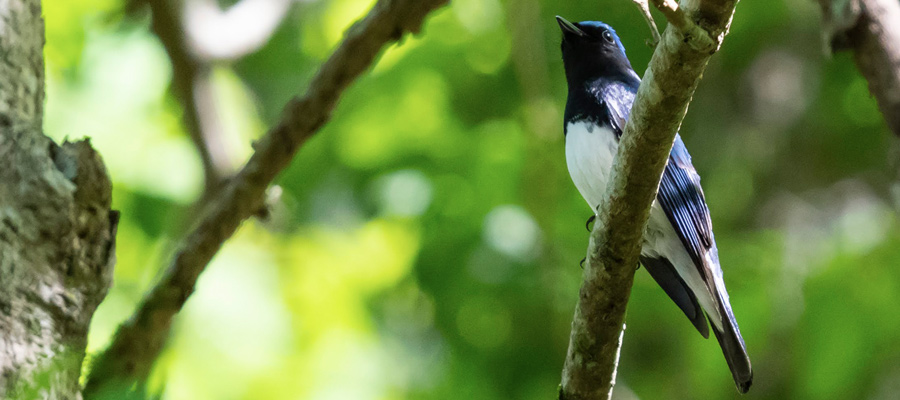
x: 592, y: 49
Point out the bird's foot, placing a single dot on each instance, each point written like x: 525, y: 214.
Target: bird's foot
x: 589, y: 221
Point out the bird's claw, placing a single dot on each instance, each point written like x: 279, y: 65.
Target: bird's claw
x: 587, y: 224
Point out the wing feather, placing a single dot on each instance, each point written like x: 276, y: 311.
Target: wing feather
x: 681, y: 197
x: 679, y: 194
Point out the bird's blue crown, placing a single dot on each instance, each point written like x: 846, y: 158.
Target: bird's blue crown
x: 601, y: 25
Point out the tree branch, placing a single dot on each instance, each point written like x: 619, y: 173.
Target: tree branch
x: 138, y: 342
x: 195, y: 35
x: 693, y: 34
x: 871, y: 29
x: 615, y: 244
x: 190, y: 82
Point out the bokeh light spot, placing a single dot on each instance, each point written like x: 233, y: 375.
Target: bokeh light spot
x: 404, y: 193
x: 510, y: 230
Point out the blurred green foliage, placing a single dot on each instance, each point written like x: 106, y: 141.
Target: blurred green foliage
x: 428, y: 239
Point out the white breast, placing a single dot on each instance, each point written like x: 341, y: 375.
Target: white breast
x: 590, y: 151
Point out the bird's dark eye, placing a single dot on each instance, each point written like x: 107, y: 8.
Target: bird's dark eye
x: 608, y: 37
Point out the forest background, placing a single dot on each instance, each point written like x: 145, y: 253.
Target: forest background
x: 426, y: 243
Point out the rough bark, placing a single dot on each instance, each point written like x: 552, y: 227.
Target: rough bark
x: 660, y: 105
x: 139, y: 341
x: 56, y: 229
x: 871, y: 30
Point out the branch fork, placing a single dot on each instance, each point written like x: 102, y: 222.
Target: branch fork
x: 694, y: 35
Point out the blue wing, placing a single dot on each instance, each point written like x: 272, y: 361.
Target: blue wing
x: 681, y: 198
x: 680, y: 195
x: 677, y: 195
x: 616, y: 98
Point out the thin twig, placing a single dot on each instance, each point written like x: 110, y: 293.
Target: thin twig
x: 645, y: 12
x: 615, y: 244
x: 139, y: 341
x: 188, y: 73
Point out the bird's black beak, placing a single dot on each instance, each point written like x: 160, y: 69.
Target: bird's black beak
x: 569, y: 28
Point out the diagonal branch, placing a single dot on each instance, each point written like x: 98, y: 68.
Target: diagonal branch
x: 615, y: 244
x: 139, y: 341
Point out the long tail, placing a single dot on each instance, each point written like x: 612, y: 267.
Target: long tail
x: 733, y: 347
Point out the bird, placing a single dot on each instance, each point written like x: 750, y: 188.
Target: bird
x: 678, y: 248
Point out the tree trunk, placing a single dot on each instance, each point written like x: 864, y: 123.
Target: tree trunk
x: 57, y: 231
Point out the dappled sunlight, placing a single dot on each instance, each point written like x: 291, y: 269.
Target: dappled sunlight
x: 237, y: 319
x: 412, y: 118
x: 239, y: 119
x: 329, y: 277
x: 69, y: 26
